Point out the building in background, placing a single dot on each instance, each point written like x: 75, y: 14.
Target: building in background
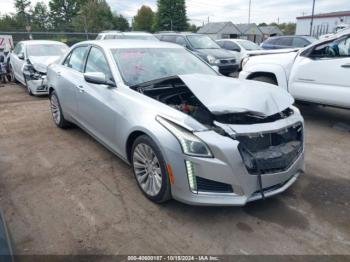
x: 250, y: 32
x: 270, y: 30
x: 220, y: 30
x: 323, y: 23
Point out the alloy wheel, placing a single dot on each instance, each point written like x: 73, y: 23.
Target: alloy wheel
x: 55, y: 109
x: 147, y: 169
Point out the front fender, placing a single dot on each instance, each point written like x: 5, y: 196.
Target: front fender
x: 277, y: 70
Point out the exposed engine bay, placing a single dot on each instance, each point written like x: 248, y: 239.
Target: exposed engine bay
x: 261, y: 152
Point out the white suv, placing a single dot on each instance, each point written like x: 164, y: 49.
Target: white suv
x: 319, y: 73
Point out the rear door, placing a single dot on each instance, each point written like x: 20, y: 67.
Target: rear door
x: 323, y: 75
x: 70, y: 78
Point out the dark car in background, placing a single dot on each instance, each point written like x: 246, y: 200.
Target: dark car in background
x: 281, y: 42
x: 204, y: 47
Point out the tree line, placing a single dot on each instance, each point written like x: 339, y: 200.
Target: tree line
x: 93, y: 16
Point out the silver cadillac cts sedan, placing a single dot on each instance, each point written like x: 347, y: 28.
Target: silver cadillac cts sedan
x: 188, y: 132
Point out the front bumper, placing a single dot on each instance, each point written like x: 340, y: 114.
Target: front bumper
x: 228, y: 168
x: 39, y: 86
x: 227, y: 69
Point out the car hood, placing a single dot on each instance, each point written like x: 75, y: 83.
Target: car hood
x: 40, y: 63
x: 283, y: 59
x: 271, y: 51
x: 224, y: 95
x: 217, y: 53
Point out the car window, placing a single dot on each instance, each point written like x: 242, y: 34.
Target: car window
x: 285, y: 41
x: 96, y: 62
x: 337, y: 48
x: 169, y: 38
x: 145, y: 64
x: 180, y: 40
x: 99, y: 37
x: 232, y: 46
x: 202, y: 42
x: 77, y: 58
x: 271, y: 41
x: 221, y: 43
x: 300, y: 42
x: 107, y: 37
x: 18, y: 48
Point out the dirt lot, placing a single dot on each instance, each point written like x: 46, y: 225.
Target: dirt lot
x: 63, y: 193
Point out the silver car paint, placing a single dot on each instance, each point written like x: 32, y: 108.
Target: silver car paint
x: 112, y: 115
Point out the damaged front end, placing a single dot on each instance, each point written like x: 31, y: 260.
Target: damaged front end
x: 35, y: 78
x: 265, y: 148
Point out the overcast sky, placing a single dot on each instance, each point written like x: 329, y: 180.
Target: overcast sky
x: 227, y: 10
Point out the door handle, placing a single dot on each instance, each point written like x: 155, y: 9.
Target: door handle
x: 81, y: 89
x: 346, y: 66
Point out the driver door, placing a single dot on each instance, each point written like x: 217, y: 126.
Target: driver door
x: 96, y: 102
x: 323, y: 75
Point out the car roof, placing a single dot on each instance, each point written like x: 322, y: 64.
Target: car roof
x: 179, y: 33
x: 127, y: 43
x: 42, y: 42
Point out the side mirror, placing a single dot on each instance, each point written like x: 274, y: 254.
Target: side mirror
x: 21, y: 56
x: 98, y: 78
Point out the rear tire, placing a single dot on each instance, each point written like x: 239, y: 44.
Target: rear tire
x: 265, y: 79
x: 150, y: 170
x: 56, y: 112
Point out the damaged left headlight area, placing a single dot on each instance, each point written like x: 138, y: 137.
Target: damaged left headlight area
x: 35, y: 80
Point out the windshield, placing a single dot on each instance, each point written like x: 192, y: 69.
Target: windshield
x: 46, y: 50
x: 145, y: 64
x: 250, y: 46
x: 310, y: 39
x: 141, y: 37
x: 202, y: 42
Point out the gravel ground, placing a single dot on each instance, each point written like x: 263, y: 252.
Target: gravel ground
x: 63, y: 193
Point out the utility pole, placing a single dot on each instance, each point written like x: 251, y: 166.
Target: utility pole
x: 250, y: 5
x: 312, y: 17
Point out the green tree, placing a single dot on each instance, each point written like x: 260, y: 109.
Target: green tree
x: 94, y: 16
x: 9, y: 23
x: 171, y: 15
x: 143, y: 21
x: 62, y: 13
x: 192, y: 28
x: 40, y: 17
x: 120, y: 22
x: 22, y: 13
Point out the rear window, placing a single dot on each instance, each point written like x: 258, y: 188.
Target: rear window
x: 285, y: 41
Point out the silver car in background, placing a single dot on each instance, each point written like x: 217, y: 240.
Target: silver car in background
x: 188, y: 132
x: 29, y: 62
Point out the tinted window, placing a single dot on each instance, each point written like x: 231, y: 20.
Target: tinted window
x: 232, y: 46
x: 76, y: 60
x: 221, y: 43
x: 96, y: 62
x: 300, y: 42
x: 337, y: 48
x: 18, y: 49
x: 180, y: 40
x: 271, y: 41
x: 169, y: 38
x: 202, y: 42
x: 285, y: 41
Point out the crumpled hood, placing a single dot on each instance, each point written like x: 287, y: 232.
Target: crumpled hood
x: 223, y: 95
x: 217, y: 53
x: 40, y: 63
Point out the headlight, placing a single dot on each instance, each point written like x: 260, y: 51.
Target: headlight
x: 245, y: 61
x: 190, y: 144
x: 211, y: 59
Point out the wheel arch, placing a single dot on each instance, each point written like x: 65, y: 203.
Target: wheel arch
x: 130, y: 141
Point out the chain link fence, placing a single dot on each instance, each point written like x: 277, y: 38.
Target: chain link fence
x: 69, y: 38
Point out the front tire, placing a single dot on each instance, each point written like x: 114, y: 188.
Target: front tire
x: 56, y: 111
x: 150, y: 170
x: 265, y: 79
